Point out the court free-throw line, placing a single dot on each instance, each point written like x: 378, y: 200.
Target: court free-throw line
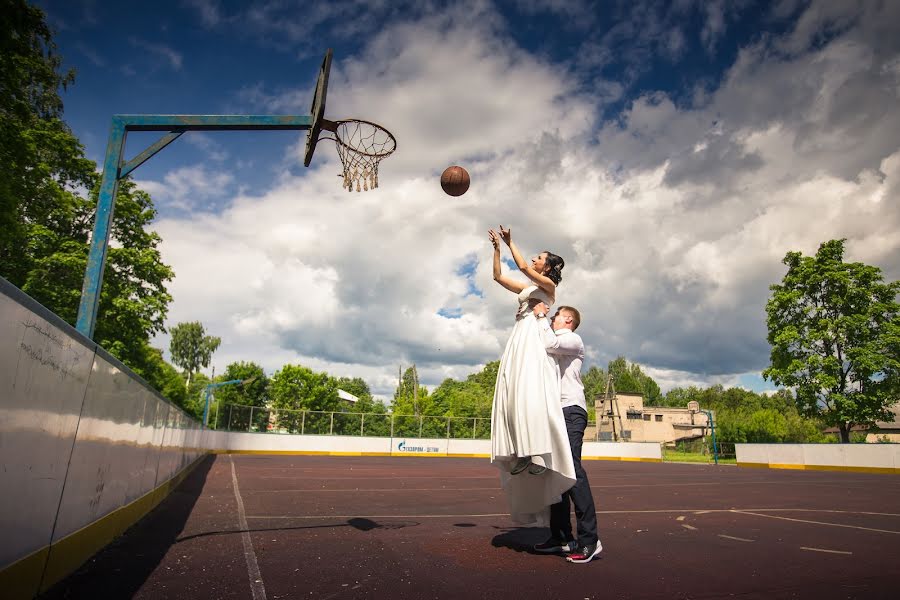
x: 744, y: 512
x: 256, y: 583
x: 824, y: 550
x: 731, y: 537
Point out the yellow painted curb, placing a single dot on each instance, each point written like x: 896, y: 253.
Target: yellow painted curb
x: 22, y: 579
x: 835, y: 468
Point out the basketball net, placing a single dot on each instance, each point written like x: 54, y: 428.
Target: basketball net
x: 361, y: 145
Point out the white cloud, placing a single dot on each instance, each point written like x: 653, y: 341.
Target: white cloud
x: 188, y: 188
x: 673, y: 220
x: 167, y: 53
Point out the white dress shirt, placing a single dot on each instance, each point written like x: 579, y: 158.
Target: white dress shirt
x: 567, y: 348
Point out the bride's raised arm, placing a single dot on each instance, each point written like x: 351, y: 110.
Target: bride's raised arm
x: 510, y: 284
x: 540, y: 280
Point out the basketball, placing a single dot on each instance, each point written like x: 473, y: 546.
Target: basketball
x: 455, y: 181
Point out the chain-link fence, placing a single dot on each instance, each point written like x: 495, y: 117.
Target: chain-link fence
x: 235, y: 417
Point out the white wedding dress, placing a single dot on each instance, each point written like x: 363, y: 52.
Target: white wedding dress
x: 527, y: 420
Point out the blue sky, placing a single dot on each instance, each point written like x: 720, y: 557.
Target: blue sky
x: 671, y: 152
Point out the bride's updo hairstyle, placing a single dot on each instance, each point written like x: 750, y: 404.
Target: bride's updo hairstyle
x: 553, y: 266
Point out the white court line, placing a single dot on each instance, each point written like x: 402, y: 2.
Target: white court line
x: 256, y: 582
x: 756, y: 514
x: 681, y: 518
x: 731, y: 537
x: 824, y: 550
x: 691, y: 527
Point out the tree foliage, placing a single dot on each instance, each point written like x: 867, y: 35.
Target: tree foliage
x: 834, y: 328
x: 41, y: 161
x: 631, y: 378
x: 299, y: 388
x: 191, y: 348
x: 252, y: 393
x: 48, y: 195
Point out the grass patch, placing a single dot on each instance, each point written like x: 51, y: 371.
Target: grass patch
x: 694, y: 457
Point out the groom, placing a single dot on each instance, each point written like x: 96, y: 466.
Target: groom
x: 567, y: 349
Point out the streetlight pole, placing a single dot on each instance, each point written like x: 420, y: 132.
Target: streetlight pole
x: 712, y: 424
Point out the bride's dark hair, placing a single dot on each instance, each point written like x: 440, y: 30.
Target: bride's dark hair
x: 553, y: 265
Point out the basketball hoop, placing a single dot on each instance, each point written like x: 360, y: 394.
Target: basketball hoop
x: 361, y: 145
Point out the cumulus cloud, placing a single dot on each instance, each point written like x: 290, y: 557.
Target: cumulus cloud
x: 673, y: 219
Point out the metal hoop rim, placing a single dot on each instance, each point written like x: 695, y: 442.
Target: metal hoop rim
x: 333, y: 126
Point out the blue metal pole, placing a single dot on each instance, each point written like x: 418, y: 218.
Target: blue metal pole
x: 93, y: 275
x: 206, y: 407
x: 210, y: 387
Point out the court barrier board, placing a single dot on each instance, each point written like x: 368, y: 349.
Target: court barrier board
x: 87, y: 447
x: 859, y: 458
x: 233, y: 442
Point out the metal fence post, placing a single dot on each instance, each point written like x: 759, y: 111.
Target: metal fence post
x: 331, y: 427
x: 448, y: 428
x: 230, y: 410
x: 421, y: 422
x: 250, y: 422
x: 474, y: 426
x: 362, y: 422
x: 302, y: 422
x: 392, y: 425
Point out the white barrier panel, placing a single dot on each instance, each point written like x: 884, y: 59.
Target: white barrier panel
x: 473, y: 448
x: 237, y: 442
x: 300, y: 444
x: 43, y: 375
x: 867, y: 458
x: 81, y: 438
x: 635, y: 451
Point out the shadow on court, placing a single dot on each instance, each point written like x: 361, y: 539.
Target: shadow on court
x: 521, y: 539
x: 120, y: 569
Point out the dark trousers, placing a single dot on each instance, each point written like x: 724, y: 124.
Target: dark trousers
x: 580, y: 493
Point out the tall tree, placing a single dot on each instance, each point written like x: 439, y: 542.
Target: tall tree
x: 631, y: 378
x: 253, y: 393
x: 834, y: 328
x: 46, y: 218
x: 299, y: 388
x: 41, y: 161
x: 191, y: 348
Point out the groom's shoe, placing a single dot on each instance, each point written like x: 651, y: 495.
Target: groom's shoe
x: 585, y: 554
x: 554, y: 546
x: 535, y: 469
x: 520, y: 465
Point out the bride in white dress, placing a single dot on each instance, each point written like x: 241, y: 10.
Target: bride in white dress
x: 529, y: 442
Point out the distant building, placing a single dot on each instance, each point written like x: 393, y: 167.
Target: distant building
x: 886, y: 431
x: 347, y: 396
x: 628, y: 419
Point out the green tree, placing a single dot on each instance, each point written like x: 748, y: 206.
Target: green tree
x: 298, y: 388
x: 594, y: 380
x: 411, y: 398
x: 45, y: 223
x: 191, y: 348
x: 834, y: 328
x: 41, y: 161
x: 252, y: 393
x: 631, y: 378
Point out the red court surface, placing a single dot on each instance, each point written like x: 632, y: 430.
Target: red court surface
x: 357, y: 527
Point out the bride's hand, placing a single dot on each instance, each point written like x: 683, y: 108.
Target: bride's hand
x: 506, y: 235
x: 495, y: 239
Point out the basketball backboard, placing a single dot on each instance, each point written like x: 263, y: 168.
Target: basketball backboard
x: 317, y: 111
